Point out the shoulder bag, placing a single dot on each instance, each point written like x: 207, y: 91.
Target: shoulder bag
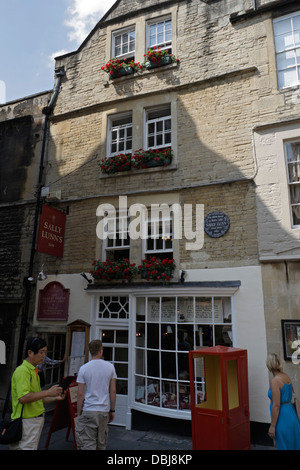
x: 10, y: 429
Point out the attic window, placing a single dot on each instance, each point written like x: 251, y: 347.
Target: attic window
x: 123, y: 44
x: 159, y: 33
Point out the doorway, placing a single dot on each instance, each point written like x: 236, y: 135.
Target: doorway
x: 115, y: 350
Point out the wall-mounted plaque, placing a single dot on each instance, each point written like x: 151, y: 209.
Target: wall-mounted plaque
x: 53, y: 302
x: 216, y: 224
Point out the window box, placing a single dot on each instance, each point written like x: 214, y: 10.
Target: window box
x: 121, y: 270
x: 156, y: 57
x: 151, y: 158
x: 155, y: 269
x: 116, y: 164
x: 116, y: 68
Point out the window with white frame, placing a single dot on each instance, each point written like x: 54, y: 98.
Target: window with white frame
x: 116, y: 241
x: 292, y: 153
x: 166, y: 329
x: 159, y: 240
x: 158, y: 127
x: 159, y: 33
x: 287, y: 47
x: 119, y: 134
x: 123, y: 44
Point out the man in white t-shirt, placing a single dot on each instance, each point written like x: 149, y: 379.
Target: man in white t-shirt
x: 96, y: 400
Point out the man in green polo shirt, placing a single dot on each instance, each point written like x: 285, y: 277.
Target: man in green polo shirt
x: 26, y: 390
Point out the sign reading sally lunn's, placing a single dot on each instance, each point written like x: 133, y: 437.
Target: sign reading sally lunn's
x: 51, y: 232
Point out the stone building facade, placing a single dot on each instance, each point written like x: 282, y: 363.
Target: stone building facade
x: 227, y: 109
x: 21, y: 137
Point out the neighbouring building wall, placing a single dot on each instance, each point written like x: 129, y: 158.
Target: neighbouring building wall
x: 21, y: 131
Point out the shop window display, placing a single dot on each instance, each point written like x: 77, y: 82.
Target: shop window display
x: 167, y: 328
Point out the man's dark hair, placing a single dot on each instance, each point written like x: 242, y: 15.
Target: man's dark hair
x: 34, y: 344
x: 95, y: 346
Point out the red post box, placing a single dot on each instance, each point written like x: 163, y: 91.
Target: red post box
x: 219, y: 399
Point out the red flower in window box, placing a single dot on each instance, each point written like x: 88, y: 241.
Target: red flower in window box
x: 114, y: 270
x: 156, y: 269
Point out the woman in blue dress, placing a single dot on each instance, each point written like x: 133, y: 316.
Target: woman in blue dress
x: 285, y: 425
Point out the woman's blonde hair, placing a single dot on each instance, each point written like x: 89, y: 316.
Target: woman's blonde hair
x: 274, y: 363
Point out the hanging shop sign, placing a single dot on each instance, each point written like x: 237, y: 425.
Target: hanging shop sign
x: 51, y: 232
x: 53, y: 302
x: 216, y: 224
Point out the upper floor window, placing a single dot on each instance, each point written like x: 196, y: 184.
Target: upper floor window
x: 120, y: 134
x: 159, y: 33
x: 158, y: 127
x: 159, y: 240
x: 287, y: 46
x: 292, y: 152
x: 123, y: 44
x: 116, y: 242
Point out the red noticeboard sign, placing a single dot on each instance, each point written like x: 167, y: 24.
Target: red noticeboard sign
x: 53, y: 302
x: 51, y: 232
x: 65, y: 414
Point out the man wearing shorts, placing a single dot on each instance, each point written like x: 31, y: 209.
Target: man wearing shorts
x: 96, y: 400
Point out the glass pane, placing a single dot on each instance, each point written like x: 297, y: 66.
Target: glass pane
x: 282, y: 26
x: 153, y: 363
x: 286, y: 41
x: 199, y: 380
x: 287, y: 78
x: 168, y: 124
x: 285, y: 60
x: 159, y: 126
x: 223, y: 335
x: 151, y: 142
x: 122, y: 336
x: 168, y: 365
x: 293, y: 171
x: 168, y: 139
x: 168, y: 337
x: 108, y: 336
x: 204, y: 336
x: 168, y: 309
x: 185, y: 309
x: 140, y: 309
x: 183, y: 365
x: 151, y: 128
x: 121, y: 354
x: 108, y: 354
x: 203, y: 309
x: 153, y: 393
x: 153, y: 309
x: 122, y: 387
x: 121, y: 370
x: 140, y: 362
x: 184, y: 396
x: 169, y: 395
x: 153, y: 336
x: 140, y: 335
x: 140, y: 389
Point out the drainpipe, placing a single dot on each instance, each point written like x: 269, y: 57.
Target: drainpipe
x: 47, y: 111
x: 254, y: 5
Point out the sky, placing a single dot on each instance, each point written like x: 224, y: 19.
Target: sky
x: 33, y: 32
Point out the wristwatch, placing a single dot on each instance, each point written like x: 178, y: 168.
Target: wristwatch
x: 112, y: 411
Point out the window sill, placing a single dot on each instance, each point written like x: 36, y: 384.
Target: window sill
x: 135, y: 173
